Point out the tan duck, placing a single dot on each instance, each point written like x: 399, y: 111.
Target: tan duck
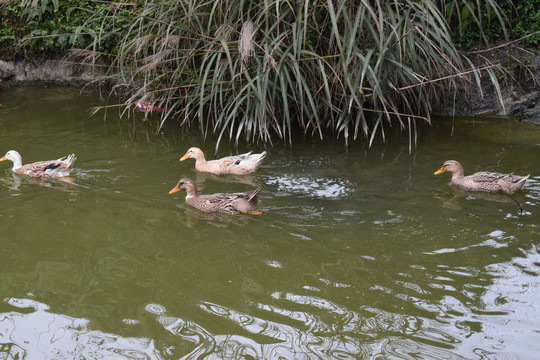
x: 482, y: 181
x: 243, y: 164
x: 53, y: 169
x: 226, y: 203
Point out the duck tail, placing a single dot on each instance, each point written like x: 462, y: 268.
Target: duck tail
x: 523, y: 179
x: 261, y: 157
x: 253, y: 197
x: 70, y: 160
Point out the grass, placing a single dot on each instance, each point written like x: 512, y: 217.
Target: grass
x: 259, y: 70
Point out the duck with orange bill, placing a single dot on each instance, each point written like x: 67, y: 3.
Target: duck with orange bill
x: 227, y: 203
x: 243, y: 164
x: 482, y: 181
x: 52, y: 169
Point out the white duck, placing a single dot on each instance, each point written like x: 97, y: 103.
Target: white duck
x: 54, y: 169
x: 243, y: 164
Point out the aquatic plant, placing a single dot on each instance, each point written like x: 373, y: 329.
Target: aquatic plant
x: 259, y: 70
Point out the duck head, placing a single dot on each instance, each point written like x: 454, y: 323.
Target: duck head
x: 186, y: 185
x: 450, y: 166
x: 194, y: 153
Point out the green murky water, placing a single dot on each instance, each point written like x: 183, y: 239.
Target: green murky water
x: 359, y: 253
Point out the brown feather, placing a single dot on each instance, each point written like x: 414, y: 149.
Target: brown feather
x: 483, y: 181
x: 229, y: 203
x: 58, y: 168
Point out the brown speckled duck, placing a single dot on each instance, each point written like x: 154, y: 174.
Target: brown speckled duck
x: 222, y: 202
x: 482, y: 181
x: 52, y: 169
x: 243, y: 164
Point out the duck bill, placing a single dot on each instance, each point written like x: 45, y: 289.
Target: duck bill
x: 3, y: 159
x: 184, y: 157
x: 440, y: 171
x: 174, y: 189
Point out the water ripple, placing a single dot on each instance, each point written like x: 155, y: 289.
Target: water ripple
x: 155, y: 309
x: 291, y: 343
x: 311, y: 186
x: 397, y: 348
x: 56, y: 336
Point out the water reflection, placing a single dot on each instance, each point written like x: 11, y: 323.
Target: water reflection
x: 60, y: 336
x: 275, y: 340
x: 453, y: 199
x: 485, y: 320
x: 15, y: 182
x: 359, y: 253
x: 191, y: 217
x: 56, y: 336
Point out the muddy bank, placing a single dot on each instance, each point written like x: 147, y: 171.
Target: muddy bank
x: 519, y: 89
x: 519, y: 84
x: 50, y: 71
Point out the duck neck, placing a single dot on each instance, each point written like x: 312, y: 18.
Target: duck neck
x: 191, y: 193
x: 17, y: 163
x: 457, y: 175
x: 200, y: 158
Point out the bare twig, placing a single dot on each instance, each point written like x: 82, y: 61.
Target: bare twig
x: 449, y: 76
x: 505, y: 44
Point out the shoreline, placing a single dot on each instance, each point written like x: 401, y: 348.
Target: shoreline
x: 521, y: 99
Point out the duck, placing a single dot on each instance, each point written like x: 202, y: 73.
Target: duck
x: 483, y: 181
x: 243, y: 164
x: 232, y: 204
x: 52, y: 169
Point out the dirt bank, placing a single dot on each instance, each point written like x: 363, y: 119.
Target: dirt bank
x: 519, y: 83
x: 519, y: 88
x: 49, y: 71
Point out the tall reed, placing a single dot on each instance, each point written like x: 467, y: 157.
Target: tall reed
x: 259, y: 70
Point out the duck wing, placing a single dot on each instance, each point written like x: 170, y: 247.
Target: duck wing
x: 498, y: 182
x: 494, y: 177
x: 488, y: 177
x: 225, y: 202
x: 234, y: 160
x: 248, y: 161
x: 50, y: 168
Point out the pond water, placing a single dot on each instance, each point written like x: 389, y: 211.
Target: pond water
x: 359, y: 253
